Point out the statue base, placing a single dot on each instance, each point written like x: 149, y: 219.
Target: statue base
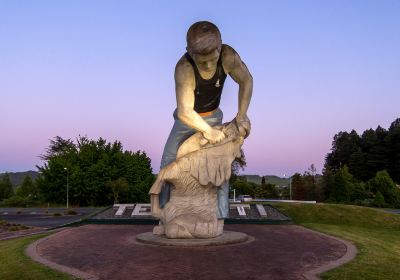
x: 226, y: 238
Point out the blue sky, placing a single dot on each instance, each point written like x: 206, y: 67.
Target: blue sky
x: 105, y: 69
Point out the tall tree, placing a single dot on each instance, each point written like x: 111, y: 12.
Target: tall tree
x: 310, y: 183
x: 343, y: 146
x: 375, y: 151
x: 327, y: 182
x: 28, y: 188
x: 299, y: 191
x: 6, y: 189
x: 343, y: 185
x: 393, y: 143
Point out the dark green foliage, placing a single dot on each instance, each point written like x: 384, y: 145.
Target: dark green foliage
x: 393, y: 147
x: 359, y: 192
x: 265, y: 190
x: 374, y: 151
x: 118, y: 186
x: 327, y: 182
x: 298, y: 187
x: 343, y: 185
x: 343, y: 146
x: 91, y: 166
x: 237, y: 165
x: 373, y: 158
x: 28, y: 189
x: 6, y: 189
x: 379, y: 200
x: 17, y: 201
x: 383, y: 184
x: 242, y: 187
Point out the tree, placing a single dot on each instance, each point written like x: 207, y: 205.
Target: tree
x: 379, y: 200
x: 28, y: 189
x: 393, y: 150
x: 358, y: 165
x: 118, y: 186
x: 6, y: 189
x: 327, y: 182
x: 242, y: 187
x: 237, y: 164
x: 265, y: 190
x: 91, y: 164
x: 383, y: 184
x: 310, y: 184
x: 298, y: 187
x: 374, y: 150
x: 343, y: 185
x: 343, y: 146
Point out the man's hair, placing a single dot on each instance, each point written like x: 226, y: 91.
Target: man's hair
x: 203, y: 37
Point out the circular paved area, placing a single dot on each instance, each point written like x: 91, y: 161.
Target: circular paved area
x: 107, y: 252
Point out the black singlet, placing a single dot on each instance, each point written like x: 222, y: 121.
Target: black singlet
x: 207, y: 94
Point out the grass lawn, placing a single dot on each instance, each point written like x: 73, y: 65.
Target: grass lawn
x: 375, y: 233
x: 14, y: 264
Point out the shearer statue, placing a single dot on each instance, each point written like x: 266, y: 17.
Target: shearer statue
x: 199, y: 79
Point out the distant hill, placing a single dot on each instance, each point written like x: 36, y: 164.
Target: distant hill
x: 18, y: 177
x: 272, y: 179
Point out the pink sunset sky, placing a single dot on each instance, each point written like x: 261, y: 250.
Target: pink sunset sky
x: 105, y: 69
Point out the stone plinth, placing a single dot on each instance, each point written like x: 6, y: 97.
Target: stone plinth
x: 226, y: 238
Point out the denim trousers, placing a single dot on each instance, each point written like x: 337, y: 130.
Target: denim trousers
x: 179, y: 133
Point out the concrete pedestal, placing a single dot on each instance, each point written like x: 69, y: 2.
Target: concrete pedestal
x: 227, y: 238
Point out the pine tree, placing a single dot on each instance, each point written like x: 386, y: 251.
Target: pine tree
x: 393, y: 150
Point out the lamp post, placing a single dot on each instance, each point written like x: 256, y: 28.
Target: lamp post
x: 67, y: 185
x: 290, y: 186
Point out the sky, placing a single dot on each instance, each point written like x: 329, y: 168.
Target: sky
x: 105, y: 69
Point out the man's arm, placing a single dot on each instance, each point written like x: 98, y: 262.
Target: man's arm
x: 184, y: 86
x: 241, y: 75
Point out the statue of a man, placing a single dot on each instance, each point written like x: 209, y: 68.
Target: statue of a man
x: 199, y: 79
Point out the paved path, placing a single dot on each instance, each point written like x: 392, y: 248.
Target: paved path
x: 109, y: 252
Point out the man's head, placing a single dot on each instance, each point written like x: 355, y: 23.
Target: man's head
x: 204, y: 43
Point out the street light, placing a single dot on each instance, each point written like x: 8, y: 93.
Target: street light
x: 67, y: 185
x: 290, y: 186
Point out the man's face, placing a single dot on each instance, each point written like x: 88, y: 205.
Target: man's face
x: 208, y: 62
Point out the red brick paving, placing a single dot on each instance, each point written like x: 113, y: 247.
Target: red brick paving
x: 107, y: 251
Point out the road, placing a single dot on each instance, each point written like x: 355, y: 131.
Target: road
x: 396, y: 211
x: 38, y: 217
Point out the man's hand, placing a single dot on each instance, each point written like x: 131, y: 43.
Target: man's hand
x: 244, y: 125
x: 214, y: 135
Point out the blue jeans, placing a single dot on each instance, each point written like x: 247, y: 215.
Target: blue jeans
x: 179, y: 133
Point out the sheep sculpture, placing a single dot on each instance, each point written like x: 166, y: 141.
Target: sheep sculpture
x: 196, y: 174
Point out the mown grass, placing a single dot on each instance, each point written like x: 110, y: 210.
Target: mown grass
x: 14, y: 264
x: 375, y: 233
